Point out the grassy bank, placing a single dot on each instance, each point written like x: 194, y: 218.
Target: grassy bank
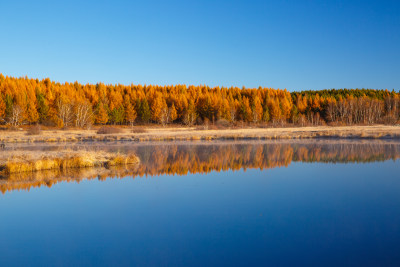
x: 186, y: 133
x: 18, y: 162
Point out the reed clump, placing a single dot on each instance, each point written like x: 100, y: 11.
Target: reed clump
x: 62, y: 161
x: 122, y: 160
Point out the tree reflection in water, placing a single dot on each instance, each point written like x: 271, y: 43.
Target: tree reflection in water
x: 184, y: 158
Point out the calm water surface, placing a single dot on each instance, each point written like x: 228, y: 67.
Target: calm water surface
x: 296, y: 204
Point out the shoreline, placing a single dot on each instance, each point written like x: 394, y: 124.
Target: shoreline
x: 163, y: 134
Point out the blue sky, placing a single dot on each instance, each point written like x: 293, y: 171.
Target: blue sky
x: 298, y: 45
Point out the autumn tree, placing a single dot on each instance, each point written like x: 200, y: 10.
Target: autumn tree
x: 130, y: 113
x: 2, y: 109
x: 164, y: 115
x: 173, y: 115
x: 257, y: 110
x: 83, y: 114
x: 159, y: 110
x: 265, y: 116
x: 101, y: 116
x: 16, y: 118
x: 64, y: 112
x: 190, y: 115
x: 274, y: 110
x: 32, y: 115
x: 232, y: 110
x: 245, y: 110
x: 37, y: 100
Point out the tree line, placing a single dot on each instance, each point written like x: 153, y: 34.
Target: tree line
x: 31, y: 101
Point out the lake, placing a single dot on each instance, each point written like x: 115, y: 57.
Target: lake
x: 300, y: 203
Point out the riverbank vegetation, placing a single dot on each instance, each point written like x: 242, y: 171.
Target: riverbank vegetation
x: 32, y: 101
x: 179, y: 133
x: 32, y: 161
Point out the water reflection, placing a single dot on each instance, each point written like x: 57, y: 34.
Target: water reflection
x: 183, y: 158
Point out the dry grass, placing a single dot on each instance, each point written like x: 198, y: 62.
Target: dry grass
x: 122, y: 160
x: 210, y: 133
x: 138, y: 129
x: 109, y: 130
x: 34, y: 130
x: 31, y: 161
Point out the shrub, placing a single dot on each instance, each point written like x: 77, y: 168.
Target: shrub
x: 109, y: 130
x: 34, y: 130
x: 138, y: 130
x: 222, y: 123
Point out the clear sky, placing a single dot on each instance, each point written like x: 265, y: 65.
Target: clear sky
x: 291, y: 44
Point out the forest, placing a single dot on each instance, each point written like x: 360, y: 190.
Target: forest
x: 32, y: 101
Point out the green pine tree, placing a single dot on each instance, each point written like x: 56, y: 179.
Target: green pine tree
x: 144, y: 111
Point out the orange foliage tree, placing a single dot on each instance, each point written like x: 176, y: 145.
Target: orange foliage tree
x: 31, y: 101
